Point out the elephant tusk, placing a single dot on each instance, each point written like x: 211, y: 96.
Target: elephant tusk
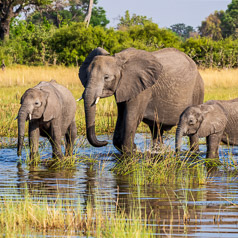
x: 16, y: 117
x: 29, y: 117
x: 97, y: 100
x: 79, y: 99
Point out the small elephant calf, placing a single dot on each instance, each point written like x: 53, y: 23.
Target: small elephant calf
x: 50, y: 109
x: 217, y: 120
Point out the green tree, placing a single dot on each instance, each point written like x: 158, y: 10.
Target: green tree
x: 74, y: 11
x: 133, y: 20
x: 229, y: 23
x: 99, y: 17
x: 182, y: 30
x: 211, y: 27
x: 10, y: 9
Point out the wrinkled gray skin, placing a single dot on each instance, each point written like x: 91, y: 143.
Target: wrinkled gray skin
x: 215, y: 120
x: 153, y: 87
x: 50, y: 109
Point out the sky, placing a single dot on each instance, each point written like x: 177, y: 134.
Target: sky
x: 163, y: 12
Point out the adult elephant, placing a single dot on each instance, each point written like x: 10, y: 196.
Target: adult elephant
x: 153, y: 87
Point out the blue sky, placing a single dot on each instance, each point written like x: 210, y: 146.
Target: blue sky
x: 164, y: 12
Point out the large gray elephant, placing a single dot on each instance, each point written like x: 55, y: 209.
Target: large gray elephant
x: 217, y: 120
x: 153, y: 87
x: 50, y: 109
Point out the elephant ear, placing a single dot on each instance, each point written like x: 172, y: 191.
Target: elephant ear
x: 214, y: 119
x: 140, y: 70
x: 84, y: 67
x: 53, y: 103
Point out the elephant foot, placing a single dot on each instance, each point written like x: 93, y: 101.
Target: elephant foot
x: 127, y: 150
x: 34, y: 159
x: 158, y: 148
x: 57, y: 155
x: 68, y: 152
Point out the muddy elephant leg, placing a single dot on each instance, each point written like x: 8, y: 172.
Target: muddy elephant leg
x: 70, y: 137
x: 194, y: 143
x: 119, y: 129
x: 55, y: 139
x: 34, y: 135
x: 213, y: 142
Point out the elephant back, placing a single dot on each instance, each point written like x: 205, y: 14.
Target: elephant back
x: 177, y: 63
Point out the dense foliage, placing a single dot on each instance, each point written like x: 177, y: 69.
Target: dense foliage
x: 67, y: 12
x: 182, y: 30
x: 11, y: 9
x: 221, y: 24
x: 69, y: 45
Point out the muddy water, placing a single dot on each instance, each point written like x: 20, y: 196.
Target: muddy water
x: 212, y: 208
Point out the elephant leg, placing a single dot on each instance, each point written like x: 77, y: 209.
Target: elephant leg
x: 119, y: 129
x: 70, y: 137
x: 34, y: 135
x: 133, y: 115
x: 213, y: 142
x: 194, y: 142
x: 156, y: 133
x: 55, y: 139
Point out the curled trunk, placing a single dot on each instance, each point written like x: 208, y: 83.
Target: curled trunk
x: 22, y: 116
x: 90, y: 110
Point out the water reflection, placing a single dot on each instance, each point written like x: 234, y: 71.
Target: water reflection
x: 179, y: 209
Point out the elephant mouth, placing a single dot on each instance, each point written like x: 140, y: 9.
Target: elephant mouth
x: 107, y: 93
x: 191, y: 132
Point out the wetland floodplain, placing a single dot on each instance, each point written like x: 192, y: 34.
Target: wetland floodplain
x: 96, y: 193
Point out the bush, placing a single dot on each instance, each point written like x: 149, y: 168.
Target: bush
x: 70, y: 45
x: 208, y: 53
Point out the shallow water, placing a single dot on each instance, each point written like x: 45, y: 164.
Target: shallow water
x: 213, y: 207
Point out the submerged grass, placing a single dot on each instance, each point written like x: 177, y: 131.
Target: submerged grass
x: 33, y: 214
x: 171, y: 168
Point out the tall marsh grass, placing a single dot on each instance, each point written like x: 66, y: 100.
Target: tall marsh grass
x: 34, y: 214
x: 219, y: 84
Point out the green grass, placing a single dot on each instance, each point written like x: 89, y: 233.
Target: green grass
x: 34, y: 214
x: 37, y: 214
x: 14, y: 81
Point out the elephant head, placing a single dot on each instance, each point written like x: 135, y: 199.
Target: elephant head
x: 203, y: 120
x: 124, y: 75
x: 40, y: 102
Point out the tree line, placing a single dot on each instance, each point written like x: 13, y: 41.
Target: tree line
x: 56, y: 33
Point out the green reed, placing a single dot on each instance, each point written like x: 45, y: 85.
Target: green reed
x: 33, y: 214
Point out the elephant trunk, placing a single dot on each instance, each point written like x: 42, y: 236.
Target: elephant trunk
x: 22, y: 116
x: 90, y: 109
x: 178, y: 138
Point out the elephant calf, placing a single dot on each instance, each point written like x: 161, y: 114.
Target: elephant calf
x: 50, y: 109
x: 217, y: 120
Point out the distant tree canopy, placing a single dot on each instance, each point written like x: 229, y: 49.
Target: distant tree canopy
x: 70, y: 11
x: 133, y: 20
x: 182, y: 30
x: 211, y: 27
x: 221, y: 24
x: 10, y: 9
x: 229, y: 22
x: 56, y: 34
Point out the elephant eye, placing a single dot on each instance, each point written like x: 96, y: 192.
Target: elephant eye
x: 37, y: 104
x: 191, y: 122
x: 106, y: 77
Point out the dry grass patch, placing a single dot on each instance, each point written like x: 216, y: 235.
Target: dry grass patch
x: 219, y: 84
